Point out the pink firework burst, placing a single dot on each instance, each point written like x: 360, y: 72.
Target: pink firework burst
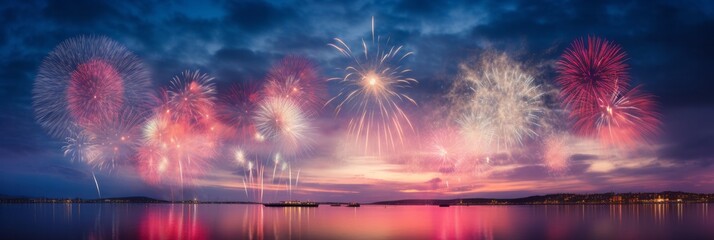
x: 592, y: 70
x: 95, y: 93
x: 622, y: 118
x: 85, y: 81
x: 296, y: 78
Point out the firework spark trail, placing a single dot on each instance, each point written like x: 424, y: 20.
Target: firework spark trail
x: 96, y: 184
x: 253, y: 174
x: 591, y: 71
x: 84, y: 81
x: 295, y: 78
x: 262, y: 181
x: 624, y: 118
x: 245, y: 187
x: 371, y: 87
x: 504, y: 105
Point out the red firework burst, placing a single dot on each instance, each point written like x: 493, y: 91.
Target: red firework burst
x: 95, y: 93
x: 295, y: 78
x: 591, y: 71
x: 622, y: 118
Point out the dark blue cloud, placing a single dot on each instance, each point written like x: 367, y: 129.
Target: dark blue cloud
x: 256, y: 16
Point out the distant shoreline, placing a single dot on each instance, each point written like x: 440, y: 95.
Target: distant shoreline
x: 550, y: 199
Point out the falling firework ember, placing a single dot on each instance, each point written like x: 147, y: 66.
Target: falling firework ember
x: 504, y: 104
x: 591, y: 71
x: 282, y: 121
x: 371, y: 88
x: 86, y: 80
x: 295, y: 78
x: 623, y: 118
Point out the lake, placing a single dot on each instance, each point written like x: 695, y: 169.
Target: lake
x: 235, y: 221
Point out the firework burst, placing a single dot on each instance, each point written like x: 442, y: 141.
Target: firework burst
x: 238, y: 107
x: 295, y: 78
x: 623, y: 118
x: 504, y: 105
x: 192, y: 96
x: 371, y: 88
x: 117, y: 140
x: 591, y: 71
x: 282, y: 121
x: 106, y: 145
x: 95, y: 93
x: 86, y: 80
x: 556, y: 153
x: 446, y: 147
x: 79, y: 146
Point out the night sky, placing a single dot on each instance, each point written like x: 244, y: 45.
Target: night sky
x: 669, y: 45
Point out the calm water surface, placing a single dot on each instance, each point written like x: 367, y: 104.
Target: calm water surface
x: 230, y: 221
